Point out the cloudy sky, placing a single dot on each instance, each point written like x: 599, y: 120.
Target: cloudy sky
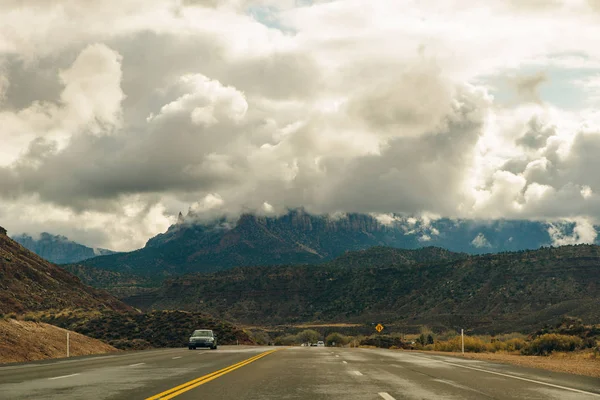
x: 117, y: 114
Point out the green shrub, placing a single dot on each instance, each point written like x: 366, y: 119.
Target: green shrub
x: 286, y: 340
x: 383, y: 341
x: 308, y: 336
x: 337, y: 338
x: 549, y: 342
x: 260, y: 337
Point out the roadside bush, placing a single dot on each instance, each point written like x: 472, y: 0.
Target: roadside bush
x: 472, y: 345
x: 30, y: 318
x: 260, y: 337
x: 286, y: 340
x: 337, y: 338
x: 383, y: 341
x: 308, y: 336
x: 447, y: 335
x: 508, y: 336
x: 355, y: 340
x: 547, y: 343
x: 516, y: 344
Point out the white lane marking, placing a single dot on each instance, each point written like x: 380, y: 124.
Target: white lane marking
x: 32, y: 365
x: 386, y: 396
x: 345, y: 362
x: 357, y: 373
x: 337, y: 355
x: 135, y: 365
x: 519, y: 378
x: 175, y: 358
x: 60, y: 377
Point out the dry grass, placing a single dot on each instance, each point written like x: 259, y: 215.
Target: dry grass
x: 340, y: 325
x: 29, y: 341
x: 580, y: 363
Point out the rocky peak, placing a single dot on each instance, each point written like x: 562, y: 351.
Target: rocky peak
x: 2, y: 231
x: 180, y: 218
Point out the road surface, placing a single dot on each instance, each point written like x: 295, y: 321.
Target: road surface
x: 240, y: 372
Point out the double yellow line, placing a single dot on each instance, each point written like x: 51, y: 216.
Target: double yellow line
x: 176, y: 391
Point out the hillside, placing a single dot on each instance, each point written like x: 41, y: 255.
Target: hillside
x: 30, y: 283
x: 495, y: 293
x: 19, y: 341
x: 119, y: 284
x: 58, y: 249
x: 301, y: 238
x: 140, y: 331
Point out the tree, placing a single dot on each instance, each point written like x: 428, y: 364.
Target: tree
x: 336, y: 338
x: 422, y: 340
x: 260, y: 337
x: 308, y: 336
x: 286, y: 340
x: 429, y: 339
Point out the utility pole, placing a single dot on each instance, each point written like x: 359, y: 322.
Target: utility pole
x: 68, y: 346
x: 462, y: 339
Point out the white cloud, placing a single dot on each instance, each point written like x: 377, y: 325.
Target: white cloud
x: 90, y: 101
x: 128, y: 112
x: 480, y: 241
x: 582, y: 232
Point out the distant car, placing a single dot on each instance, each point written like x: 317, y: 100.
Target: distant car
x: 320, y: 343
x: 202, y: 338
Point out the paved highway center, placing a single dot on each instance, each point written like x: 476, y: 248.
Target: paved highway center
x: 313, y: 373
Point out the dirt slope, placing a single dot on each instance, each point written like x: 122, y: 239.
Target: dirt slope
x: 30, y: 283
x: 29, y: 341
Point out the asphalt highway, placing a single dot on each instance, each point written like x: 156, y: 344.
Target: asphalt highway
x: 244, y: 372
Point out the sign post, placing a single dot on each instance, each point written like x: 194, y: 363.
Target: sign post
x: 68, y: 346
x: 462, y: 340
x: 379, y: 328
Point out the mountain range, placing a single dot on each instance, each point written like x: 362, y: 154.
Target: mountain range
x: 506, y: 292
x: 298, y: 237
x: 58, y: 249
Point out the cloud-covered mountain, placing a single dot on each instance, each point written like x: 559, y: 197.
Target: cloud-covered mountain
x: 116, y: 114
x: 58, y: 249
x: 299, y: 237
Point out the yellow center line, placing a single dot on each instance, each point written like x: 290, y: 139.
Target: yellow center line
x: 177, y: 390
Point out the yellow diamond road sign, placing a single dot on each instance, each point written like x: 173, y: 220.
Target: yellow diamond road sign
x: 379, y: 327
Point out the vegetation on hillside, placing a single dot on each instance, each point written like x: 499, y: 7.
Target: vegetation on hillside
x: 584, y: 338
x: 30, y: 283
x: 119, y: 284
x: 138, y: 331
x: 491, y: 293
